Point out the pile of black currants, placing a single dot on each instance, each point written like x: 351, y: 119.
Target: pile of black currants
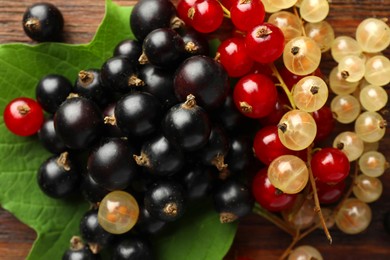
x: 152, y: 130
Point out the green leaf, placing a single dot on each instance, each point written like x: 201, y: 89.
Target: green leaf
x: 21, y: 67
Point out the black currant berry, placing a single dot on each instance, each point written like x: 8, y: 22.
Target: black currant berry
x: 150, y: 15
x: 130, y: 49
x: 92, y: 191
x: 49, y: 139
x: 78, y: 122
x: 160, y: 157
x: 133, y: 248
x: 232, y: 200
x: 195, y: 43
x: 147, y: 224
x: 197, y: 180
x: 138, y: 114
x: 165, y: 200
x: 240, y: 154
x: 88, y: 85
x: 110, y: 127
x: 43, y: 22
x: 159, y: 83
x: 187, y: 125
x: 118, y: 74
x: 214, y: 152
x: 51, y: 91
x: 58, y: 177
x: 78, y: 251
x: 92, y: 232
x: 111, y: 164
x: 163, y: 48
x: 204, y: 78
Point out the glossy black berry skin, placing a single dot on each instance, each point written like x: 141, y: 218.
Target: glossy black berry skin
x: 116, y: 73
x: 111, y: 165
x: 133, y: 248
x: 159, y: 83
x: 91, y: 231
x: 51, y: 91
x: 232, y: 200
x: 165, y: 200
x: 197, y: 180
x: 187, y: 125
x: 138, y: 114
x: 80, y: 254
x: 240, y: 154
x: 204, y: 78
x: 49, y: 139
x: 92, y: 191
x: 88, y: 85
x: 164, y: 48
x: 160, y: 157
x: 130, y: 49
x: 111, y: 130
x: 194, y: 43
x: 78, y: 122
x: 58, y: 179
x: 150, y: 15
x: 43, y: 22
x: 147, y: 224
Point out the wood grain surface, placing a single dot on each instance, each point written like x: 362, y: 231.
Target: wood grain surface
x: 256, y: 238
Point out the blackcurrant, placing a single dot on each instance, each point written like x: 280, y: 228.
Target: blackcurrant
x: 194, y: 43
x: 147, y: 223
x: 133, y: 248
x: 131, y: 49
x: 110, y: 127
x: 204, y: 78
x: 159, y: 83
x: 43, y: 22
x: 147, y: 16
x: 165, y: 200
x: 240, y: 154
x: 78, y: 122
x: 138, y: 114
x: 110, y: 164
x: 163, y: 48
x: 118, y: 74
x: 92, y: 232
x: 49, y: 139
x: 78, y: 251
x: 88, y: 84
x: 51, y: 91
x: 160, y: 157
x: 58, y: 177
x: 187, y: 125
x: 197, y: 180
x: 232, y: 200
x: 92, y: 191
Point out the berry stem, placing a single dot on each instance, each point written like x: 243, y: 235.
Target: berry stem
x: 282, y: 84
x: 317, y: 207
x: 300, y: 19
x: 274, y: 219
x: 226, y: 12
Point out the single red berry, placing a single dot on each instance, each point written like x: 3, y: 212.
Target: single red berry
x: 289, y: 78
x: 262, y: 68
x: 233, y: 57
x: 23, y: 116
x: 227, y: 3
x: 246, y: 14
x: 206, y: 15
x: 325, y: 122
x: 265, y: 43
x: 281, y: 108
x: 182, y: 10
x: 268, y: 196
x: 328, y: 194
x: 267, y: 145
x: 255, y: 95
x: 330, y: 165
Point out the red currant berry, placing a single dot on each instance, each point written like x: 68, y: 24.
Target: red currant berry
x: 23, y: 116
x: 265, y: 43
x: 325, y: 122
x: 227, y: 3
x: 255, y: 95
x: 328, y: 194
x: 267, y: 145
x: 246, y: 14
x: 182, y: 10
x: 281, y: 108
x: 268, y: 196
x: 330, y: 165
x: 233, y: 57
x: 206, y: 15
x: 289, y: 78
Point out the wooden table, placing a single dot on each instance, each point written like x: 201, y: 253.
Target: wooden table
x: 256, y: 238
